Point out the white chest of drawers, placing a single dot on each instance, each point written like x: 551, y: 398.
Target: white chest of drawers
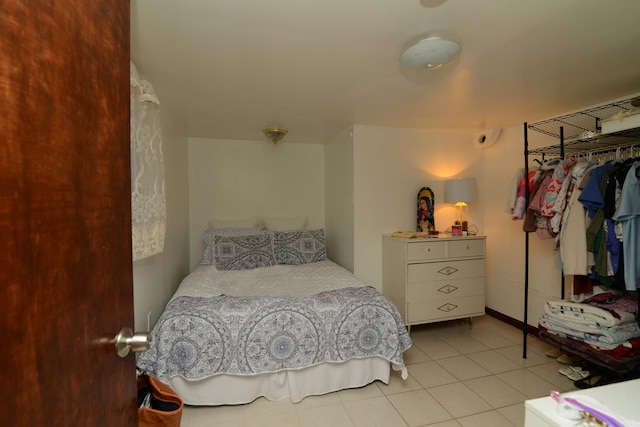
x: 434, y: 279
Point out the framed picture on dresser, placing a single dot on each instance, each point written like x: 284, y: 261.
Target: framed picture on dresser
x: 425, y: 219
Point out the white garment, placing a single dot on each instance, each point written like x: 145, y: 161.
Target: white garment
x: 512, y: 191
x: 573, y: 237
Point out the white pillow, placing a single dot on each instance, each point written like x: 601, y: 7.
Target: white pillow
x: 285, y: 224
x: 251, y: 222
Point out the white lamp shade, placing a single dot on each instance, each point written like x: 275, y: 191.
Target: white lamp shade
x: 460, y: 190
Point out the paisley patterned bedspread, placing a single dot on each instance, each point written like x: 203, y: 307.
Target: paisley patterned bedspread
x: 197, y: 337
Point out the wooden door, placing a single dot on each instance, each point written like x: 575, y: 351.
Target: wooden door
x: 65, y: 231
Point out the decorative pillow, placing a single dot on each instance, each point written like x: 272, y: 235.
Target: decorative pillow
x: 209, y: 239
x: 251, y: 222
x: 243, y: 252
x: 285, y: 224
x: 299, y: 247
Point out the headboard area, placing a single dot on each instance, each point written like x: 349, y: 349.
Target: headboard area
x: 232, y: 180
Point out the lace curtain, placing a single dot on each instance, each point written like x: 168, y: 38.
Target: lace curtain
x: 148, y: 202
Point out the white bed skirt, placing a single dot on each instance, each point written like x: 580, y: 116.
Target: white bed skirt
x: 294, y: 384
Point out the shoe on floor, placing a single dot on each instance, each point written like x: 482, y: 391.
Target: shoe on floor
x: 578, y: 375
x: 568, y: 370
x: 592, y: 381
x: 554, y: 352
x: 567, y: 360
x: 574, y: 373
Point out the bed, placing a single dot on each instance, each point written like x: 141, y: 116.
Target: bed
x: 267, y: 314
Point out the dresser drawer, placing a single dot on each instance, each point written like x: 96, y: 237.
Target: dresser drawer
x: 466, y: 248
x: 426, y: 291
x: 443, y: 309
x: 419, y: 251
x: 445, y: 270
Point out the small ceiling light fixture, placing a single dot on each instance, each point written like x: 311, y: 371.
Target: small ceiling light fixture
x: 432, y: 3
x: 430, y: 53
x: 275, y: 134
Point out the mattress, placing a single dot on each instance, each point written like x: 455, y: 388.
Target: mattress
x: 279, y: 331
x: 279, y: 280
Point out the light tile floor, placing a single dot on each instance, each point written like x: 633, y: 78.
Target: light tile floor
x: 457, y: 377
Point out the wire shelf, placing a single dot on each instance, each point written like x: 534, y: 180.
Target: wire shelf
x: 581, y: 130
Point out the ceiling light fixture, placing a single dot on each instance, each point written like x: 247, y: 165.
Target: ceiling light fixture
x: 275, y: 134
x: 432, y: 3
x: 430, y: 53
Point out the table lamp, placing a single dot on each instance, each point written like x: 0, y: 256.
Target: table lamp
x: 460, y: 191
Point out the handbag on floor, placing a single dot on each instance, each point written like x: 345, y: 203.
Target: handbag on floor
x: 158, y: 404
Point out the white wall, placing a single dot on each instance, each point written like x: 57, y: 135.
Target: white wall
x: 156, y: 278
x: 390, y: 167
x: 238, y: 179
x: 338, y: 198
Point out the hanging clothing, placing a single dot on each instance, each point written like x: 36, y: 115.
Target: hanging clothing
x: 533, y: 221
x: 597, y: 230
x: 591, y: 196
x: 601, y: 234
x: 583, y: 285
x: 521, y: 196
x: 556, y: 187
x: 613, y: 193
x: 560, y: 206
x: 572, y: 238
x: 512, y: 190
x: 628, y: 213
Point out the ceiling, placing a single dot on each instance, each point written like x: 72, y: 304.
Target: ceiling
x: 229, y: 68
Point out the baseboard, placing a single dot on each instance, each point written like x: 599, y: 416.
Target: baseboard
x: 532, y: 330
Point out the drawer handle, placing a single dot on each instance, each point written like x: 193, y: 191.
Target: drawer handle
x: 428, y: 249
x: 447, y: 307
x: 447, y: 289
x: 448, y: 271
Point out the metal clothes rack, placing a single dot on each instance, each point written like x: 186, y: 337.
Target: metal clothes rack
x: 579, y: 134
